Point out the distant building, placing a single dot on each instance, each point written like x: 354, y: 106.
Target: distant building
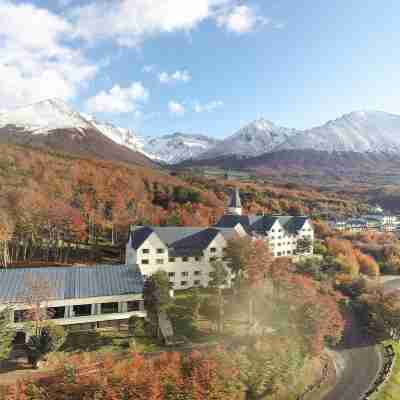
x: 380, y: 222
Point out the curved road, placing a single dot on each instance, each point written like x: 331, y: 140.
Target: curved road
x: 358, y: 362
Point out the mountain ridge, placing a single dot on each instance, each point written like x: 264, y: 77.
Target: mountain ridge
x: 361, y: 131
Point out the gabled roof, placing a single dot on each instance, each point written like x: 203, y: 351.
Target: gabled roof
x: 262, y: 223
x: 235, y: 201
x: 138, y: 235
x: 230, y: 221
x: 199, y: 240
x: 71, y: 282
x: 293, y: 224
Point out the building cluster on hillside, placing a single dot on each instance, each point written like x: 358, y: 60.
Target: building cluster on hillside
x: 377, y: 219
x: 96, y: 296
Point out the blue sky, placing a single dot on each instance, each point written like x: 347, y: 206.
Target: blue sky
x: 202, y: 66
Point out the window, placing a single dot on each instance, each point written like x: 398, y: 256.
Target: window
x: 212, y: 259
x: 21, y: 315
x: 160, y: 251
x: 197, y: 282
x: 289, y: 252
x: 197, y: 273
x: 279, y: 253
x: 159, y: 261
x: 183, y: 283
x: 213, y: 249
x: 145, y: 261
x: 109, y: 308
x: 197, y: 259
x: 56, y: 312
x: 185, y: 273
x: 185, y: 259
x: 133, y: 305
x: 171, y: 274
x: 172, y: 259
x: 82, y: 310
x: 146, y: 251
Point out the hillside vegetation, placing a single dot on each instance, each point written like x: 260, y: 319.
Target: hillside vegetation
x: 53, y: 197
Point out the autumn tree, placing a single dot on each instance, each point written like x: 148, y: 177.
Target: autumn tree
x: 380, y: 313
x: 7, y: 334
x: 6, y: 231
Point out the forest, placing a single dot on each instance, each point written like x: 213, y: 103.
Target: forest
x: 55, y: 207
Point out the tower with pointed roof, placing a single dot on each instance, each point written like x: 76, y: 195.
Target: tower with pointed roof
x: 130, y: 253
x: 235, y: 204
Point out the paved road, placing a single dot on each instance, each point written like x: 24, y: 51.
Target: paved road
x: 358, y: 362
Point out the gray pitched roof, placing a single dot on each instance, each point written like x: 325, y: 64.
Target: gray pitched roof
x: 71, y: 282
x: 235, y: 201
x: 200, y: 240
x: 262, y: 223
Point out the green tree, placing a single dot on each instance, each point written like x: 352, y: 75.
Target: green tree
x: 219, y: 276
x: 45, y: 339
x: 304, y: 245
x: 7, y: 334
x: 156, y: 296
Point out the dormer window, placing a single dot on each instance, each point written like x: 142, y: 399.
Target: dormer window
x: 145, y: 251
x: 213, y: 249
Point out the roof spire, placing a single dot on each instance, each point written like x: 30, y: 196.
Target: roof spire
x: 235, y: 201
x: 235, y: 204
x: 130, y: 236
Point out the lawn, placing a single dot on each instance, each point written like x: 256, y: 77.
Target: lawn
x: 391, y: 390
x: 106, y: 341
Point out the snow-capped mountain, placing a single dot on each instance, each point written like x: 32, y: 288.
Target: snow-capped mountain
x: 52, y: 124
x: 122, y: 136
x: 44, y: 117
x: 178, y: 147
x: 256, y: 138
x: 359, y: 131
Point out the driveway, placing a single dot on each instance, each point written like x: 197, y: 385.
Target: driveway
x: 357, y: 361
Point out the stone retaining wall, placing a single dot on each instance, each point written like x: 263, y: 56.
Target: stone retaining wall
x: 384, y: 374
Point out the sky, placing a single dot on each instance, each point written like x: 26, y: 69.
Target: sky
x: 202, y: 66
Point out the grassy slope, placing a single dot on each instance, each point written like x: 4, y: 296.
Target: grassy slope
x: 391, y: 390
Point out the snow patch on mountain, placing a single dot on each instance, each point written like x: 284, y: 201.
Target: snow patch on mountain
x: 256, y: 138
x: 44, y: 117
x: 178, y: 147
x: 358, y: 131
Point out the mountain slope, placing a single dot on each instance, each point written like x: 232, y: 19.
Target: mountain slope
x: 51, y: 124
x: 178, y: 147
x: 258, y: 137
x: 359, y: 131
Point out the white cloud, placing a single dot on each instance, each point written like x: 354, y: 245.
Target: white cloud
x: 176, y: 108
x: 118, y: 99
x: 182, y: 76
x: 208, y: 107
x: 35, y: 61
x: 130, y: 22
x: 240, y: 19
